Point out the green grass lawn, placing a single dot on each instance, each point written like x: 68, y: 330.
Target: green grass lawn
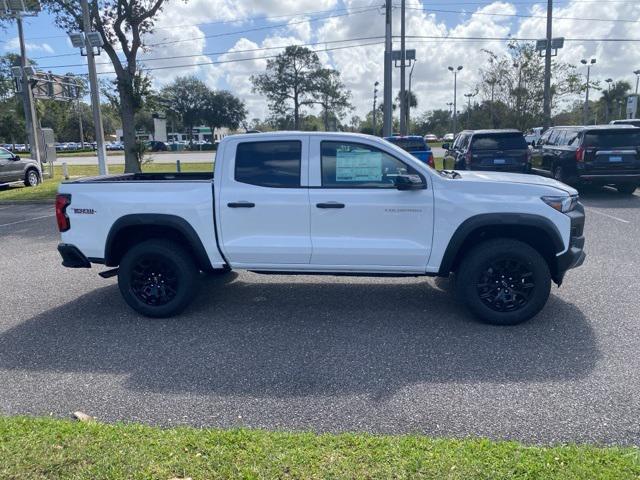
x: 32, y: 448
x: 89, y: 153
x: 47, y: 189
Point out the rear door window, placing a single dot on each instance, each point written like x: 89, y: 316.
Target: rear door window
x: 513, y: 141
x: 561, y: 139
x: 269, y: 164
x: 612, y: 139
x: 553, y: 137
x: 573, y: 138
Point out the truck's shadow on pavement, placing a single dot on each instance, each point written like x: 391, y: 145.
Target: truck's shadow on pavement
x: 293, y: 336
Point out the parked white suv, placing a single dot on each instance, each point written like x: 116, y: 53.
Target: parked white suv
x: 325, y: 203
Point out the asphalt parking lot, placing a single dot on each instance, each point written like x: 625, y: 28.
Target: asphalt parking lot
x: 328, y: 353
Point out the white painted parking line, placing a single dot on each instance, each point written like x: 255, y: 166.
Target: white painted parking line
x: 590, y: 209
x: 27, y: 220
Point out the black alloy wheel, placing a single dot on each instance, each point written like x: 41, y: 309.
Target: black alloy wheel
x: 506, y: 285
x: 154, y: 280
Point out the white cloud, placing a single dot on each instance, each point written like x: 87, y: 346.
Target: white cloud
x: 13, y: 45
x: 361, y: 66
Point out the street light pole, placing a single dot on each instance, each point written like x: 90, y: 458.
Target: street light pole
x: 608, y: 106
x: 620, y: 102
x: 95, y: 93
x: 409, y: 98
x: 585, y: 110
x: 388, y: 47
x: 519, y: 67
x: 637, y: 72
x: 31, y: 118
x: 469, y: 96
x: 547, y: 68
x: 403, y: 66
x: 81, y: 127
x: 375, y: 97
x: 455, y: 95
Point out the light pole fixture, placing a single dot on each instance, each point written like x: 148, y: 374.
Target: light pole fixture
x: 637, y: 72
x: 585, y: 110
x: 455, y: 94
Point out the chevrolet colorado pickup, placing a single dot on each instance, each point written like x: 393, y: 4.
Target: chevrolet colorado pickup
x: 325, y: 203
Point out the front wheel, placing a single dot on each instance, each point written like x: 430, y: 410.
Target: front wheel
x: 626, y: 188
x: 504, y: 281
x: 157, y: 278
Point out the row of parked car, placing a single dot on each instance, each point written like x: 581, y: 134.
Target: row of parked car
x: 576, y: 155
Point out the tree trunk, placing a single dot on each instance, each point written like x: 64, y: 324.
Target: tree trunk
x: 296, y: 115
x: 127, y: 114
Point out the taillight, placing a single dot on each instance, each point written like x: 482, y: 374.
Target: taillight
x: 430, y: 160
x: 62, y: 202
x: 580, y: 154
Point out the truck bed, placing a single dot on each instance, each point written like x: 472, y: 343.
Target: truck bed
x: 148, y: 177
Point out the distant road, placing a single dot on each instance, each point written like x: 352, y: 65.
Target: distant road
x: 168, y: 157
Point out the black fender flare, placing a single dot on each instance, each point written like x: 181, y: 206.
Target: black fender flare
x: 476, y: 222
x: 162, y: 220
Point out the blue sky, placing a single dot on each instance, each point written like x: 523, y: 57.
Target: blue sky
x: 240, y: 25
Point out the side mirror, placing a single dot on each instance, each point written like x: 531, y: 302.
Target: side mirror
x: 409, y: 182
x: 16, y: 157
x: 446, y: 146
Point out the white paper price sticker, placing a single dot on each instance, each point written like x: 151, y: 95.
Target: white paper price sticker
x: 358, y: 166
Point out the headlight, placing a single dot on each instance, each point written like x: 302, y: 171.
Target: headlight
x: 562, y: 204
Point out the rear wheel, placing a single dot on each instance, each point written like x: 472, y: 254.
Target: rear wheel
x: 504, y: 281
x: 626, y: 188
x: 157, y: 278
x: 31, y: 178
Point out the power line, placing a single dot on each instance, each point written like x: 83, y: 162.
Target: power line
x: 240, y: 20
x: 414, y: 38
x: 219, y: 62
x: 224, y: 52
x: 265, y: 27
x: 523, y: 39
x: 237, y: 32
x: 518, y: 15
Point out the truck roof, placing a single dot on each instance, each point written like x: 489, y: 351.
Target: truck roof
x: 290, y: 133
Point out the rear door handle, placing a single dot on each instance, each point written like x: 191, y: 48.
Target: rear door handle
x: 330, y: 205
x: 241, y: 205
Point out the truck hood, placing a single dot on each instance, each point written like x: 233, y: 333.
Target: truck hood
x: 504, y: 177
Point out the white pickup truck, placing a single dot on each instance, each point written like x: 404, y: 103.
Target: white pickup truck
x: 325, y: 203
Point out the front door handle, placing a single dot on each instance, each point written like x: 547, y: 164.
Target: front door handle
x: 241, y: 205
x: 330, y: 205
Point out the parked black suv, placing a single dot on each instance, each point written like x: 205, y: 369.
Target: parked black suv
x: 502, y: 150
x: 597, y: 155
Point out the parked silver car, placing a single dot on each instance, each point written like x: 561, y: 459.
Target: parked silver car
x: 16, y: 169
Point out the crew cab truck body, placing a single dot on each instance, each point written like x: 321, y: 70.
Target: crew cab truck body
x: 325, y: 203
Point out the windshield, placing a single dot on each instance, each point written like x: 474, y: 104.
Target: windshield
x: 509, y: 141
x: 612, y: 139
x: 409, y: 144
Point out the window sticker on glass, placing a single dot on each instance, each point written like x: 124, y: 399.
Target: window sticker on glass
x: 358, y: 166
